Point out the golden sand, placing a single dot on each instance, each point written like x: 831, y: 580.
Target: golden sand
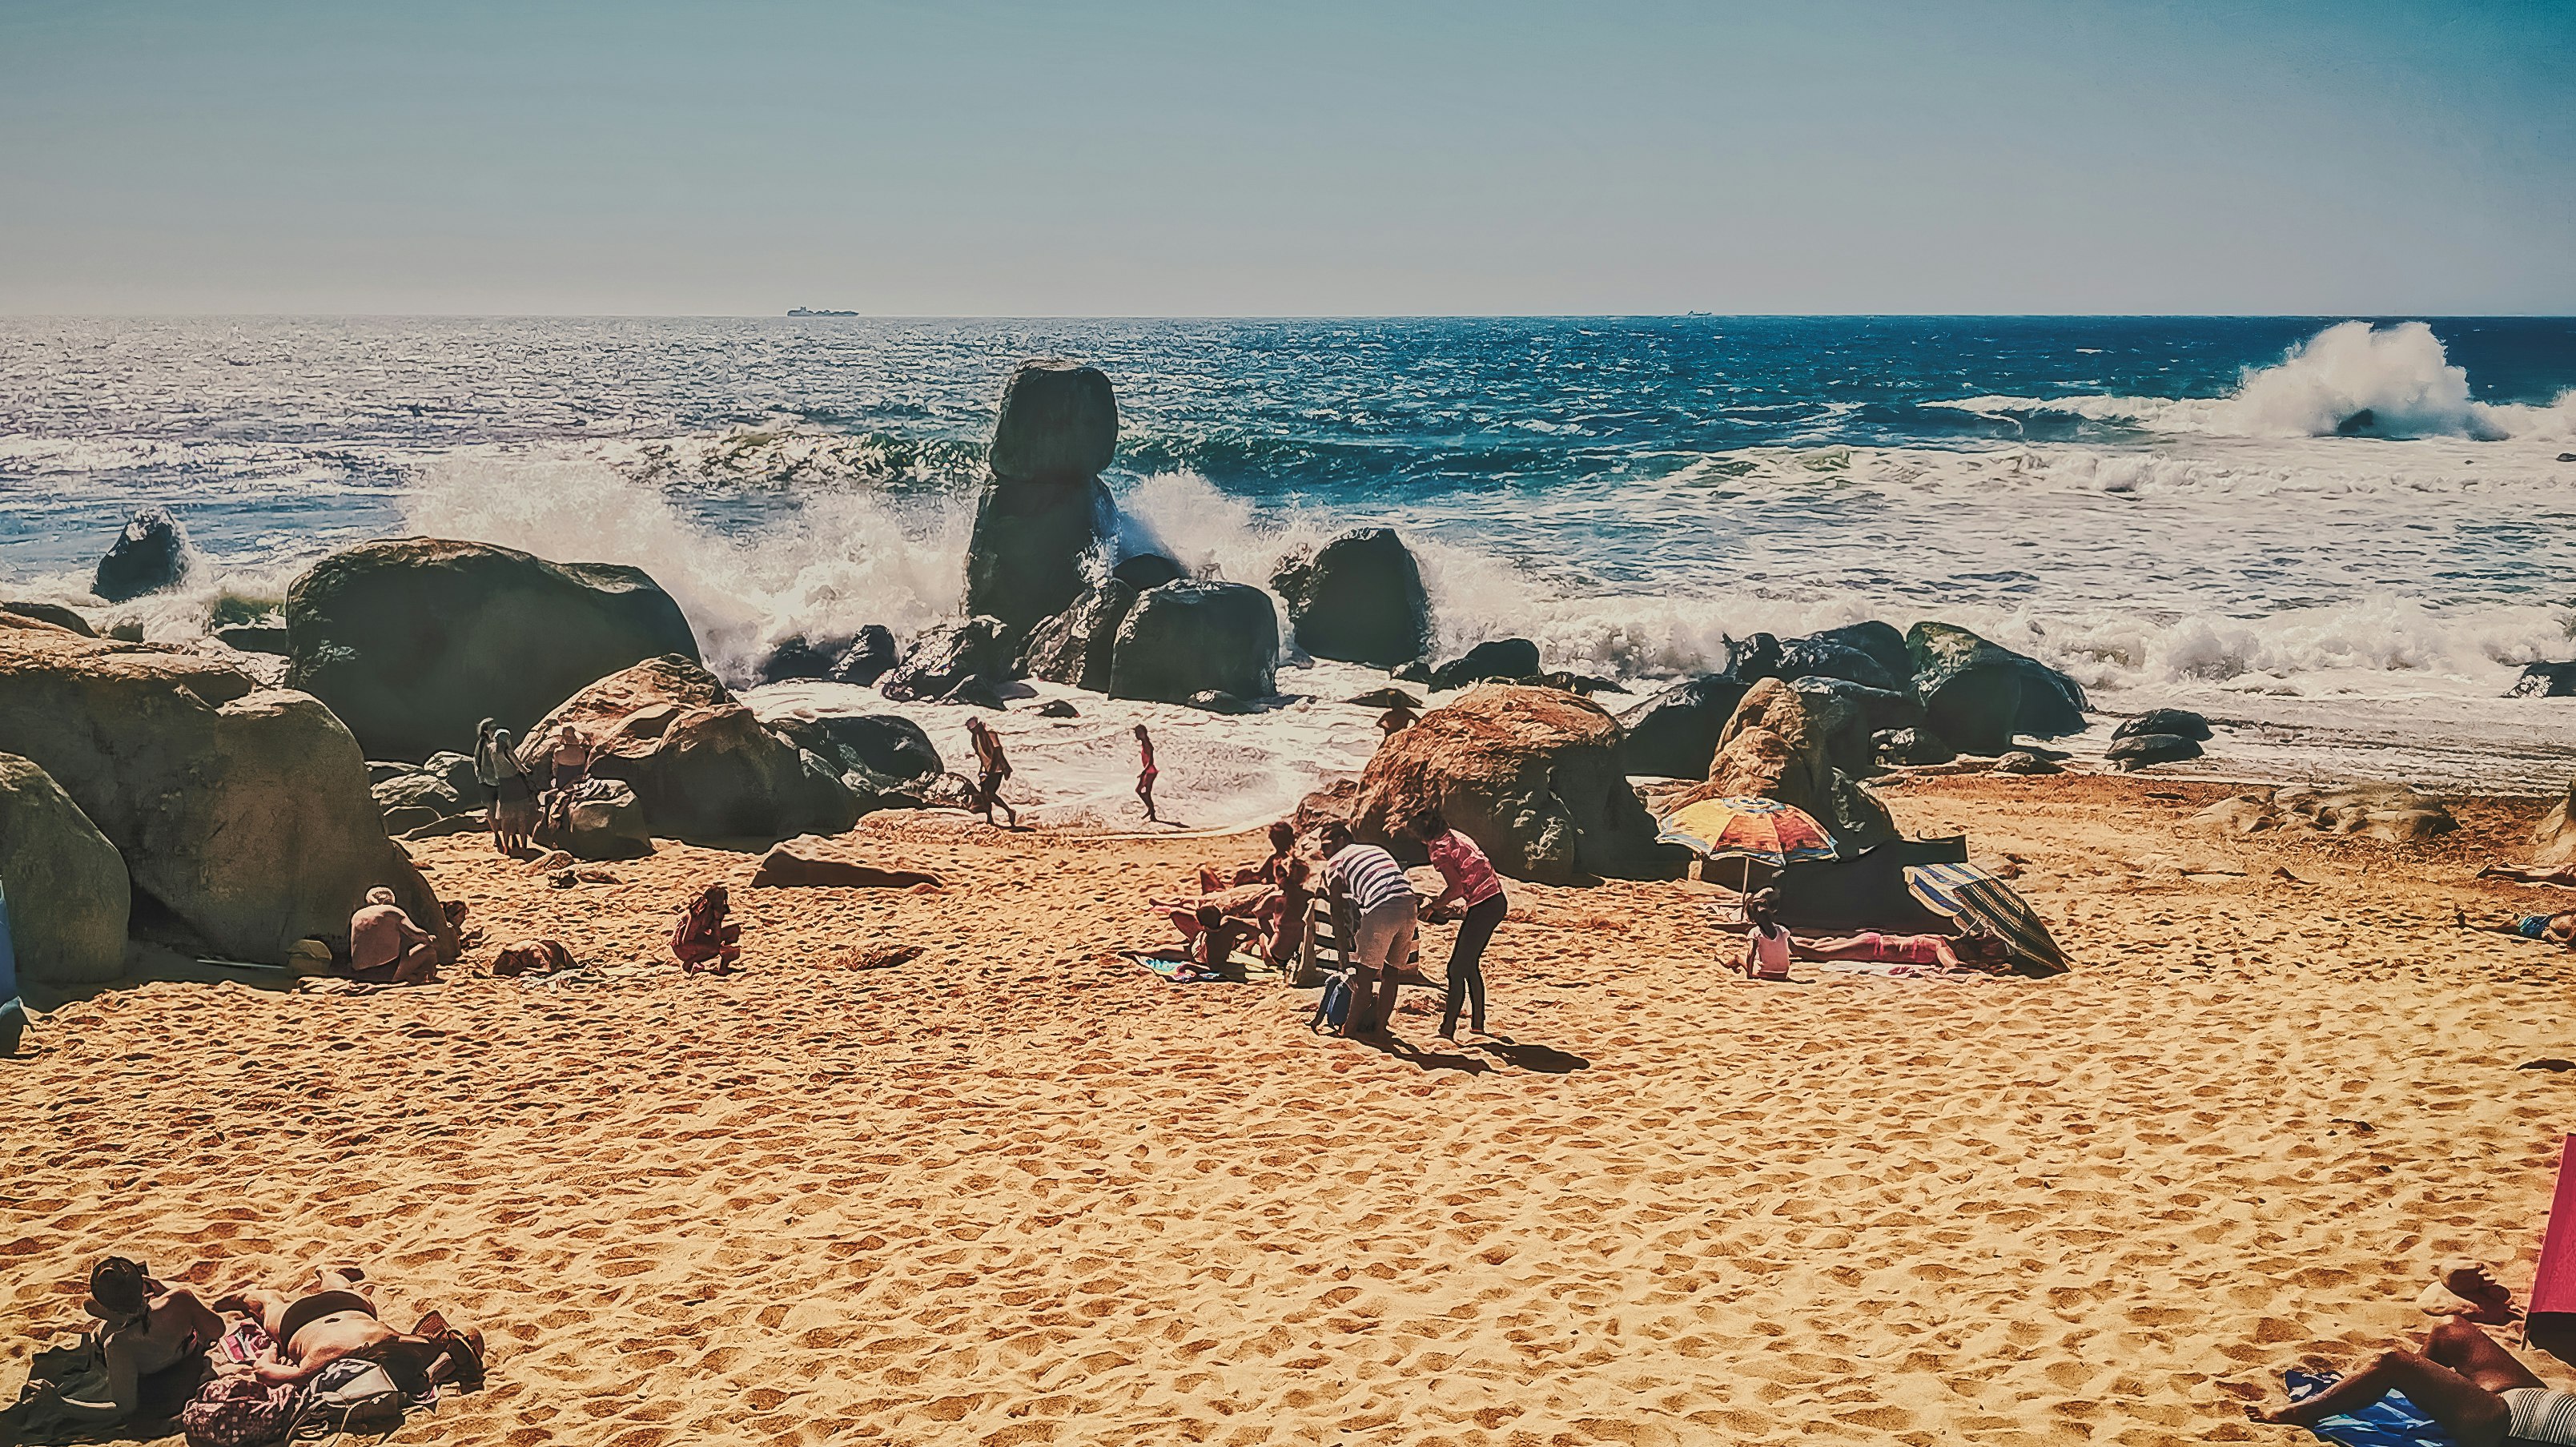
x: 1018, y: 1191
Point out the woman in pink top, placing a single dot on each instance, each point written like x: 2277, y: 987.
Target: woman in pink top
x: 1467, y: 877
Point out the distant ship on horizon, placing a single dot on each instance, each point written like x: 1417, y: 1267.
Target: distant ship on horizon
x: 800, y: 311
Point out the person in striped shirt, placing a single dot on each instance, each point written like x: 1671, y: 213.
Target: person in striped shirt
x: 1383, y: 908
x: 1469, y: 881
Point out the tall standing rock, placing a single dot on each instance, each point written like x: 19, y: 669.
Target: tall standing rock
x: 412, y: 641
x: 1045, y: 508
x: 1979, y: 694
x: 1358, y: 598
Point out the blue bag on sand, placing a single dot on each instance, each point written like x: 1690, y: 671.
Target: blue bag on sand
x: 1335, y: 1006
x: 13, y: 1011
x: 2392, y: 1421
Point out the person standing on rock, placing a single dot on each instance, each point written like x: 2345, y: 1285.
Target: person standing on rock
x: 514, y: 801
x: 992, y: 766
x: 1470, y: 882
x: 1145, y: 773
x: 1383, y: 910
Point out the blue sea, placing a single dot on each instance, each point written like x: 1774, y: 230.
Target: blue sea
x: 2343, y: 534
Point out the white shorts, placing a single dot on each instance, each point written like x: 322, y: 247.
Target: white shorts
x: 1383, y: 939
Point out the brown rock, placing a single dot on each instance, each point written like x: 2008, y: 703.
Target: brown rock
x: 242, y: 814
x: 1777, y: 747
x: 798, y: 864
x: 702, y: 766
x: 1531, y: 774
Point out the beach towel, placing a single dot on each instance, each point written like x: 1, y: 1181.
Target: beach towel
x: 1886, y: 970
x: 2392, y: 1421
x: 1166, y: 965
x: 13, y: 1011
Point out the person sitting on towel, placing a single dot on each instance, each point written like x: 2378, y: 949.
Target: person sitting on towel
x: 1968, y: 952
x: 311, y: 1332
x: 1213, y: 937
x: 2549, y: 929
x: 2461, y: 1379
x: 384, y: 944
x: 144, y: 1328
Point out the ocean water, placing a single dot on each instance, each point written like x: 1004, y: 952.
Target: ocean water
x: 2176, y: 511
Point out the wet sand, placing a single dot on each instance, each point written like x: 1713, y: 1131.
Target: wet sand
x: 1019, y: 1191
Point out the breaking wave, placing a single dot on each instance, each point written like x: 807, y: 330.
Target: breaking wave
x: 2351, y: 379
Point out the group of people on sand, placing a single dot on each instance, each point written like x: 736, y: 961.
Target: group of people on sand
x: 1376, y: 910
x: 241, y: 1348
x: 520, y: 801
x: 1769, y: 947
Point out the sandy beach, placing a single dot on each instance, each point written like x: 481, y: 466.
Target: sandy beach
x: 1018, y: 1190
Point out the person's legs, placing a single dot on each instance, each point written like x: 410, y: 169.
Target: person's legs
x: 200, y: 1319
x: 1837, y: 947
x: 1373, y: 964
x: 1399, y: 950
x: 2476, y: 1416
x: 2473, y: 1354
x: 417, y: 964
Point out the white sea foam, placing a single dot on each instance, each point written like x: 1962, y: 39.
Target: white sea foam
x: 2400, y: 375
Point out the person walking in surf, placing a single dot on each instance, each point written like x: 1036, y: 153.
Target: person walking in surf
x: 992, y: 766
x: 1145, y: 772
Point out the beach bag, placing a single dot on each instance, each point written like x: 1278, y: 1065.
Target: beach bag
x: 351, y: 1395
x: 240, y: 1412
x: 1335, y: 1005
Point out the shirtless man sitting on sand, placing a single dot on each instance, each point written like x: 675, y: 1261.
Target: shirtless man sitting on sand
x: 383, y: 939
x: 314, y: 1331
x: 2462, y: 1379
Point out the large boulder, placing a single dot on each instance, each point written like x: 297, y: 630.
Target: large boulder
x: 413, y: 641
x: 1531, y: 774
x: 1059, y: 421
x: 441, y: 787
x: 2137, y: 751
x: 2179, y: 722
x: 1359, y: 598
x: 243, y: 814
x: 1044, y: 510
x: 1876, y: 709
x: 65, y: 884
x: 148, y: 556
x: 797, y: 656
x: 1673, y: 735
x: 1825, y: 658
x: 1499, y: 660
x: 1188, y: 638
x: 869, y: 657
x: 1782, y: 744
x: 946, y: 655
x: 1980, y: 695
x: 885, y: 761
x: 1077, y: 645
x: 604, y: 820
x: 702, y: 766
x: 1149, y: 570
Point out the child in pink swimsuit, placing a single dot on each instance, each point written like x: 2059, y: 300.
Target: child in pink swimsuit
x: 1766, y: 945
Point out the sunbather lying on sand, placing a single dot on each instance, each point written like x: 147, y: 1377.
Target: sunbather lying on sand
x: 1967, y: 952
x: 2562, y: 875
x: 2462, y: 1379
x: 2549, y: 929
x: 311, y: 1332
x: 144, y: 1327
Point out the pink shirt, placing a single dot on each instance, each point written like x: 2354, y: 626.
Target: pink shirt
x: 1770, y: 953
x: 1469, y: 873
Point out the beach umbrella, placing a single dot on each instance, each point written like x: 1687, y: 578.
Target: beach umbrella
x: 1749, y: 829
x: 1974, y: 897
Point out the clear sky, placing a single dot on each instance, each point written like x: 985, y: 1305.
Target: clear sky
x: 957, y: 157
